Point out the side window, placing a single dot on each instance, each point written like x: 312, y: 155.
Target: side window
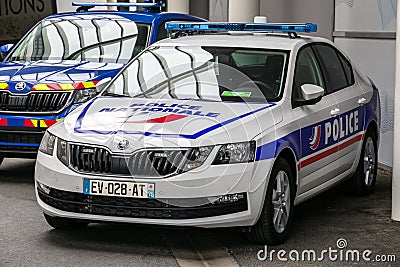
x: 333, y: 69
x: 306, y: 72
x: 347, y: 69
x: 162, y: 32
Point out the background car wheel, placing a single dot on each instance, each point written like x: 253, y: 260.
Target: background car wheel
x: 64, y: 223
x: 276, y: 219
x: 363, y: 181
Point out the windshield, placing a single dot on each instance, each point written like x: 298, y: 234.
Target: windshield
x: 94, y: 40
x: 206, y: 73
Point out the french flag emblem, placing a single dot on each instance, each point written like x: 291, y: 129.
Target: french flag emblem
x: 316, y: 137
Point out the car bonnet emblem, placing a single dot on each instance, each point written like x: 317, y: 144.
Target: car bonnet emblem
x: 122, y: 145
x: 20, y: 86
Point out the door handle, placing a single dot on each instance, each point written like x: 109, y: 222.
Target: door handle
x: 335, y: 112
x: 362, y: 101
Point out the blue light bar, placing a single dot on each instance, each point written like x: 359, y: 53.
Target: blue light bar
x: 145, y: 5
x: 246, y: 27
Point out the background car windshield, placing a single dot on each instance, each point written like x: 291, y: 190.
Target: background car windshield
x: 208, y: 73
x: 94, y: 40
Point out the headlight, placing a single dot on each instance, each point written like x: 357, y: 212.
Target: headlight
x: 83, y: 95
x: 47, y: 144
x: 196, y: 157
x: 235, y: 153
x: 62, y: 153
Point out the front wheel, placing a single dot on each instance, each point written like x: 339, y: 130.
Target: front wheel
x: 64, y: 223
x: 276, y: 219
x: 363, y: 181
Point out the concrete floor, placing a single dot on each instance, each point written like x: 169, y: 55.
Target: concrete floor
x: 26, y: 239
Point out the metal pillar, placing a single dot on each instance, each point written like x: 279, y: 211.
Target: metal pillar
x: 396, y: 133
x: 179, y: 6
x: 243, y: 11
x: 112, y: 7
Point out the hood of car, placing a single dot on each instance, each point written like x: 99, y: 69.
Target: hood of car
x: 22, y: 77
x: 107, y: 121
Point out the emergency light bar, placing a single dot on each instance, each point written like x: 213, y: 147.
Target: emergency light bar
x: 246, y: 27
x: 87, y: 6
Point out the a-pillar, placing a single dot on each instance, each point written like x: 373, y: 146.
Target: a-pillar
x: 243, y: 11
x: 178, y: 6
x: 396, y: 134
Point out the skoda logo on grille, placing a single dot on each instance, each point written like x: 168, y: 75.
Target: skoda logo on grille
x: 20, y: 86
x: 122, y: 145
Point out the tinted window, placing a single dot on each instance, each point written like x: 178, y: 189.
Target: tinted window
x: 162, y: 32
x: 333, y: 71
x: 347, y: 69
x: 307, y: 72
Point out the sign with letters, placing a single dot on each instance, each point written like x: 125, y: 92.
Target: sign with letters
x: 18, y: 16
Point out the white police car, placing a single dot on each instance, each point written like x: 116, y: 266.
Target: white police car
x: 214, y: 130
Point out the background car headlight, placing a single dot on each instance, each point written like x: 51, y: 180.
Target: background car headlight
x: 196, y: 157
x: 235, y: 153
x: 47, y: 144
x: 83, y: 95
x: 62, y: 152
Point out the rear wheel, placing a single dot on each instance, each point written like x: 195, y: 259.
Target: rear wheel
x: 363, y: 181
x: 64, y: 223
x: 276, y: 219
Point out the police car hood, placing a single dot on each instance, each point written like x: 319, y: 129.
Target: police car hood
x: 54, y: 72
x: 166, y: 123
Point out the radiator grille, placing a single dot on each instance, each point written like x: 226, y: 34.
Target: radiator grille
x: 26, y: 141
x: 34, y: 101
x: 146, y: 163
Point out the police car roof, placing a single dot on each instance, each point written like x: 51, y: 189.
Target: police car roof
x: 138, y: 16
x: 266, y: 41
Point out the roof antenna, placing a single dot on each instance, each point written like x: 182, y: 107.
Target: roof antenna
x: 260, y: 19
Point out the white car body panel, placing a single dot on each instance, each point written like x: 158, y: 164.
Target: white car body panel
x: 320, y: 159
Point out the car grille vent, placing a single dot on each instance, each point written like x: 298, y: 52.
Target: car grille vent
x: 145, y: 163
x: 34, y: 102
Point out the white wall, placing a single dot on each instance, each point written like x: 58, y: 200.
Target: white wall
x: 365, y: 15
x: 373, y: 56
x: 314, y: 11
x: 66, y: 5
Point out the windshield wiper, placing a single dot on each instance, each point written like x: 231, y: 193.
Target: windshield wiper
x: 114, y: 94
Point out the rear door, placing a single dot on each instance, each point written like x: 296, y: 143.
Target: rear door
x: 350, y: 96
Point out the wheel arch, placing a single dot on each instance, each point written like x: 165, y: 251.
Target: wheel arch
x: 373, y: 125
x: 288, y: 154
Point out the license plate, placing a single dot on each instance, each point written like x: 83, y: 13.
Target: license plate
x: 118, y: 189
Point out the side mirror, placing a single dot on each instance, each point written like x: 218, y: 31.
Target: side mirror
x: 5, y: 49
x: 312, y: 94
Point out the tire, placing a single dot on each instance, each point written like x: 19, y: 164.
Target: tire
x: 1, y: 160
x: 363, y: 181
x: 65, y: 223
x: 265, y: 231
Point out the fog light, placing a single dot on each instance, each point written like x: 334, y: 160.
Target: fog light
x: 44, y: 188
x: 230, y: 198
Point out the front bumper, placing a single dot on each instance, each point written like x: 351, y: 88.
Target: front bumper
x: 20, y: 136
x: 180, y: 200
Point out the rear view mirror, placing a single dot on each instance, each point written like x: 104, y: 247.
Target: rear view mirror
x: 4, y: 50
x: 312, y: 94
